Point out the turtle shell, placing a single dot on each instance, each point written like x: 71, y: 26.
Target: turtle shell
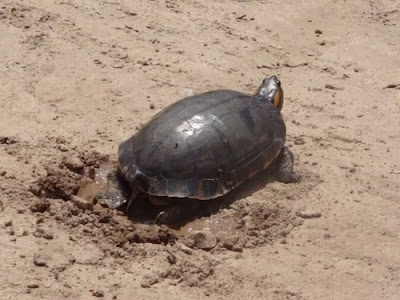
x: 203, y: 146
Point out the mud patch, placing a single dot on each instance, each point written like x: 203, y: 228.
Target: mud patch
x: 234, y: 222
x: 64, y: 179
x: 58, y: 183
x: 216, y: 224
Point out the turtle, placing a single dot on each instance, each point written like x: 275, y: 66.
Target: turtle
x: 204, y: 146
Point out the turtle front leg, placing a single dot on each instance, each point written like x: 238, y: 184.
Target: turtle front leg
x: 285, y: 171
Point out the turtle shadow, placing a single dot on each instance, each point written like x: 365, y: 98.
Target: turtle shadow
x: 246, y: 189
x: 185, y: 210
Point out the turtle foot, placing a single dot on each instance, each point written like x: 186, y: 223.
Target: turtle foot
x: 285, y: 168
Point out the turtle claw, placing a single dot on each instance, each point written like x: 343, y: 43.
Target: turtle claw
x: 160, y: 216
x: 177, y: 213
x: 169, y: 216
x: 134, y: 194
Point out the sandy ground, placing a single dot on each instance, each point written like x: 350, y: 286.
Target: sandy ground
x: 78, y: 77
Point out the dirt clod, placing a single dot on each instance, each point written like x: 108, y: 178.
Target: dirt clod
x: 82, y: 203
x: 299, y: 141
x: 74, y: 164
x: 233, y: 242
x: 149, y: 280
x: 39, y: 260
x: 8, y: 140
x: 202, y: 240
x: 40, y: 205
x: 33, y: 285
x: 98, y: 294
x: 308, y: 214
x: 43, y: 233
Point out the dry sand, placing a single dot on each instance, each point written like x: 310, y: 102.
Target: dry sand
x: 78, y: 77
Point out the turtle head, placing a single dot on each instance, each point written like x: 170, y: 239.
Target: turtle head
x: 270, y: 90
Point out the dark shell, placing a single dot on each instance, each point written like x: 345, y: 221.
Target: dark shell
x: 203, y: 146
